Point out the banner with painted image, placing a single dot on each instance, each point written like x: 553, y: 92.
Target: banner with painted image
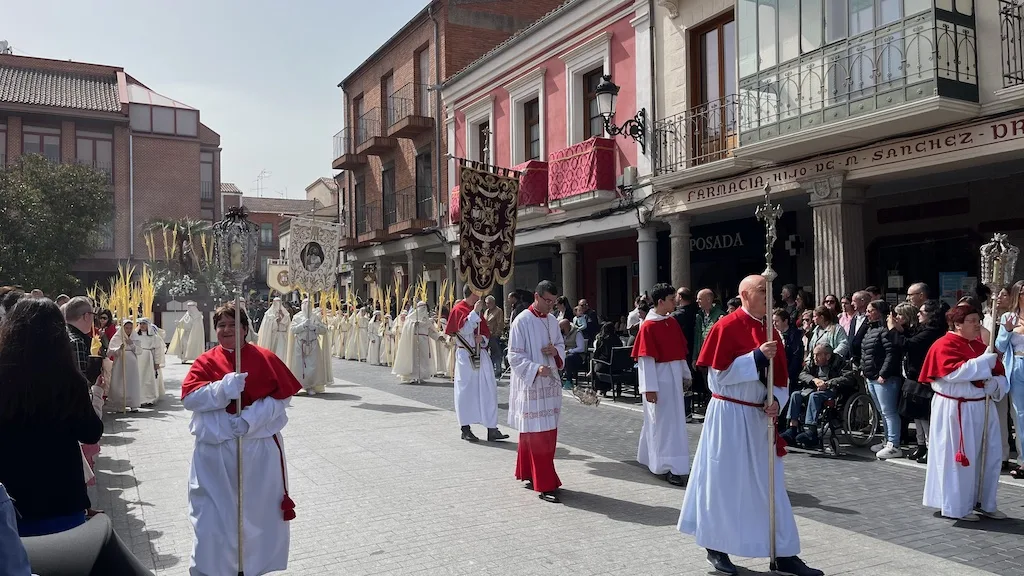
x: 313, y: 254
x: 488, y: 202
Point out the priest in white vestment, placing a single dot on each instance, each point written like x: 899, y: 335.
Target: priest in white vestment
x: 660, y: 350
x: 274, y: 330
x: 189, y: 339
x: 374, y: 336
x: 151, y: 361
x: 725, y: 506
x: 476, y: 391
x: 304, y: 349
x: 414, y: 359
x: 536, y: 352
x: 124, y: 390
x: 962, y: 375
x: 265, y: 387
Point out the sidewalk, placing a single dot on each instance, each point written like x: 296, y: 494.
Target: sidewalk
x: 384, y: 485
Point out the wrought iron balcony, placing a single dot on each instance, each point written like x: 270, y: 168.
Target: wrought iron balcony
x: 1011, y: 33
x: 409, y: 113
x: 910, y: 60
x: 345, y: 156
x: 413, y: 210
x: 206, y: 191
x: 106, y: 168
x: 703, y: 134
x: 369, y: 223
x: 370, y: 138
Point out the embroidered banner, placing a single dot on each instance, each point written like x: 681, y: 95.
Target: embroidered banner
x: 488, y: 203
x: 313, y: 254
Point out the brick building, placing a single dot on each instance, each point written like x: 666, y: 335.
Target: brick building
x: 393, y: 145
x: 163, y: 162
x: 272, y: 215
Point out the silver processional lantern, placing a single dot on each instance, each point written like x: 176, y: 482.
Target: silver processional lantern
x: 237, y: 242
x: 998, y: 262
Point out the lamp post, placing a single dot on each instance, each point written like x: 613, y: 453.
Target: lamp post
x: 636, y: 127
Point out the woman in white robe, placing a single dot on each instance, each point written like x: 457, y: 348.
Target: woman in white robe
x: 397, y: 331
x: 344, y: 328
x: 274, y: 330
x: 304, y: 350
x: 151, y: 360
x: 441, y: 348
x: 387, y: 336
x: 374, y: 344
x: 953, y: 366
x: 415, y: 357
x: 189, y: 339
x: 123, y: 395
x: 355, y: 342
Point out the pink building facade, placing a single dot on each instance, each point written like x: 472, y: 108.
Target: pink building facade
x: 530, y: 104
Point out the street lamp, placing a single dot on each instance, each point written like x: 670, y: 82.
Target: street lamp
x: 283, y: 252
x: 607, y: 93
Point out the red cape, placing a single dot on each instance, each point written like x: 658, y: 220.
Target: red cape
x: 458, y: 316
x: 950, y: 353
x: 268, y: 375
x: 661, y: 340
x: 737, y: 334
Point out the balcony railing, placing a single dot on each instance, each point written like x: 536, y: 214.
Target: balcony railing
x: 343, y: 143
x: 390, y: 208
x: 368, y: 126
x: 415, y: 203
x: 368, y: 218
x: 206, y: 190
x: 107, y: 168
x: 1011, y: 33
x: 915, y: 58
x: 408, y: 111
x: 703, y: 134
x: 345, y: 156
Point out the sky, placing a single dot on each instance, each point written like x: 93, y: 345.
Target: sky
x: 264, y: 74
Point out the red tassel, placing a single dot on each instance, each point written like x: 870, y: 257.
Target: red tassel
x: 961, y: 459
x: 288, y: 507
x: 780, y: 445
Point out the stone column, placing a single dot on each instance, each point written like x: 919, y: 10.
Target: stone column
x: 680, y: 239
x: 647, y: 246
x: 567, y: 249
x: 413, y: 270
x: 838, y: 245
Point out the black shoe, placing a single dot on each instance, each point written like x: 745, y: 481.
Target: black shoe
x: 549, y: 497
x: 676, y: 479
x: 917, y: 453
x: 468, y: 435
x: 794, y: 566
x: 494, y: 435
x: 923, y: 459
x: 721, y: 563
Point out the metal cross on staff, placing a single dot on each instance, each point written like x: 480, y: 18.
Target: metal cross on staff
x: 770, y: 213
x: 236, y: 252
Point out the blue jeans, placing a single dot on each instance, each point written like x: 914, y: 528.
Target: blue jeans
x: 887, y: 402
x: 815, y: 402
x: 52, y: 525
x: 13, y: 559
x: 1017, y: 402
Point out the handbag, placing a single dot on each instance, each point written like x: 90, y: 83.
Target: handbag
x: 915, y: 398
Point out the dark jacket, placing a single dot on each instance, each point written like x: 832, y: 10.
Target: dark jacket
x: 855, y: 340
x: 794, y: 342
x: 687, y: 319
x: 915, y: 345
x: 880, y: 356
x: 838, y: 374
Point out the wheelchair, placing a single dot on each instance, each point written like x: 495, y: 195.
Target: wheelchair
x: 850, y: 414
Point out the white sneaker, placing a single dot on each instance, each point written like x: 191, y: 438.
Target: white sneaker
x: 876, y: 447
x: 889, y: 451
x: 994, y: 514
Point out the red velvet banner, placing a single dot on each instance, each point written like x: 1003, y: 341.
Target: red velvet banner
x: 533, y: 184
x: 581, y: 168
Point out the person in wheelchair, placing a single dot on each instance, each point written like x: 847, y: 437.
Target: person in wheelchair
x: 824, y: 377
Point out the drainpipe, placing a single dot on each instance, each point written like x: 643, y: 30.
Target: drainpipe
x: 653, y: 116
x: 438, y: 125
x: 131, y: 197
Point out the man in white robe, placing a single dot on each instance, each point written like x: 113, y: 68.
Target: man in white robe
x: 415, y: 357
x: 123, y: 394
x: 189, y: 340
x: 726, y: 503
x: 274, y: 330
x: 536, y: 352
x: 304, y: 349
x: 476, y: 392
x: 324, y: 354
x: 660, y: 350
x: 355, y: 344
x: 387, y: 348
x: 151, y: 360
x: 374, y: 344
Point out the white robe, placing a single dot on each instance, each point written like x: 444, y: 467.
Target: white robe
x: 213, y: 492
x: 414, y: 359
x: 355, y: 344
x: 476, y: 392
x: 663, y: 446
x: 326, y: 365
x: 304, y: 351
x: 534, y: 402
x: 150, y: 355
x: 273, y: 333
x: 374, y: 345
x: 124, y: 375
x: 387, y: 347
x: 189, y: 339
x: 948, y: 486
x: 441, y: 348
x: 726, y: 503
x: 344, y: 329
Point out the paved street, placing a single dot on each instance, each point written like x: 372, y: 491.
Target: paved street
x: 384, y: 485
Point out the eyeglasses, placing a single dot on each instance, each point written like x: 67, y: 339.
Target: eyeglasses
x: 829, y: 301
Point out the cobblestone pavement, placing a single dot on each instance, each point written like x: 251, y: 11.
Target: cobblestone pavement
x: 385, y: 486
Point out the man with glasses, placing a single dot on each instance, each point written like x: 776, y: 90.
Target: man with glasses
x: 918, y: 294
x: 536, y: 352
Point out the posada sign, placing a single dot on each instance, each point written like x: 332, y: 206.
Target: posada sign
x: 717, y: 242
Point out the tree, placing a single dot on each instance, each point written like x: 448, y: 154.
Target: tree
x: 51, y: 215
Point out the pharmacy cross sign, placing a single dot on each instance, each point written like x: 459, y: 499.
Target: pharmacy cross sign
x: 794, y: 245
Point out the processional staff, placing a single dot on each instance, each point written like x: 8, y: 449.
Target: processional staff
x: 770, y: 213
x: 236, y: 239
x: 998, y: 262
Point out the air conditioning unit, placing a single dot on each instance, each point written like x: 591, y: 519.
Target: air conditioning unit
x: 628, y: 177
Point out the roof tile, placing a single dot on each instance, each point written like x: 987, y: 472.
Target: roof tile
x: 62, y: 90
x: 289, y: 206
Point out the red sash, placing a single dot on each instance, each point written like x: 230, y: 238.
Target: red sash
x: 780, y: 442
x: 961, y: 456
